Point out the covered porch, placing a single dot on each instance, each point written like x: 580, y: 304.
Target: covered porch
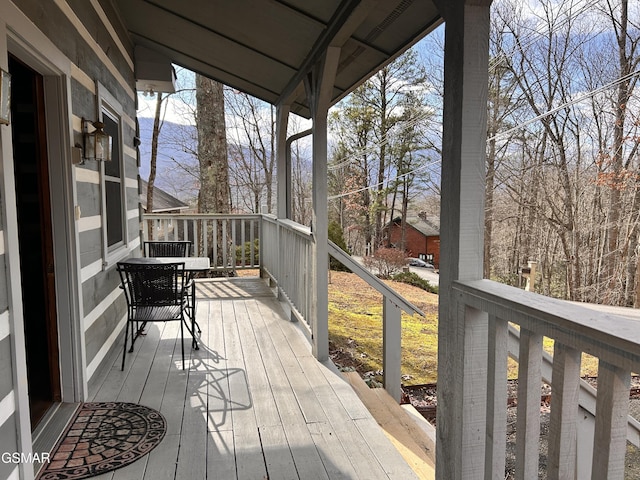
x: 252, y: 403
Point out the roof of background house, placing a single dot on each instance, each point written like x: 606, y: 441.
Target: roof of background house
x: 162, y: 201
x: 429, y: 226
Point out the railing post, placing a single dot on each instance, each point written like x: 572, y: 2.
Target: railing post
x: 495, y: 452
x: 528, y: 420
x: 612, y: 408
x: 391, y: 348
x: 565, y: 389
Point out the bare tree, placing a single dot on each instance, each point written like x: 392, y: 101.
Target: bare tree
x: 212, y: 147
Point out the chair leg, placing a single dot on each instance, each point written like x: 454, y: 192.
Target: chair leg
x: 182, y: 341
x: 193, y: 305
x: 124, y: 351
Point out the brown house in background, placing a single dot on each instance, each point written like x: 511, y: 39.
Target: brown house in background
x: 422, y: 237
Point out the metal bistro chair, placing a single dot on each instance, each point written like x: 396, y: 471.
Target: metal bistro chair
x: 154, y: 293
x: 178, y: 248
x: 181, y: 248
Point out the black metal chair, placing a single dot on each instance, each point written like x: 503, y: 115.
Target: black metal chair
x: 178, y: 248
x: 154, y: 293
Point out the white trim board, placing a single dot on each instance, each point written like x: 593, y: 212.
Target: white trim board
x: 101, y: 307
x: 7, y: 407
x: 102, y: 353
x: 5, y: 326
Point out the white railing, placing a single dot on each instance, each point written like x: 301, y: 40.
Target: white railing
x: 614, y: 340
x: 284, y: 255
x: 228, y: 240
x: 287, y: 260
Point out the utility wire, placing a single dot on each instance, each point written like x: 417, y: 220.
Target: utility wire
x: 418, y: 169
x: 566, y: 104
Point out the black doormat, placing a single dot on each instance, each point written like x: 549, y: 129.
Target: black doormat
x: 103, y: 437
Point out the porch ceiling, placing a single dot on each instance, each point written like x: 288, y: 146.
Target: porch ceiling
x: 265, y: 47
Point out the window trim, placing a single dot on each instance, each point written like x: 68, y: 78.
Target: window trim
x: 108, y: 105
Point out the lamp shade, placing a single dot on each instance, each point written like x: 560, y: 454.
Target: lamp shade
x: 97, y: 144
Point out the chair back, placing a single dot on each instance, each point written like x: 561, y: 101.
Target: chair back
x: 153, y: 285
x: 181, y: 248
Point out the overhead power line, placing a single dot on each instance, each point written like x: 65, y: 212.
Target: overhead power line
x: 369, y: 187
x: 565, y: 105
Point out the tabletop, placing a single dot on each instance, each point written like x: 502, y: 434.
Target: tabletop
x: 191, y: 264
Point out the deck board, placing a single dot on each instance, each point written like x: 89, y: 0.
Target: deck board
x: 252, y: 402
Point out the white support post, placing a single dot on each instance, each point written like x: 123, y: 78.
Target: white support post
x: 563, y: 424
x: 319, y: 87
x: 392, y: 349
x: 612, y: 409
x: 461, y: 232
x: 283, y: 174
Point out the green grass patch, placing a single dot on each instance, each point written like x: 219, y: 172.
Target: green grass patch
x: 355, y: 328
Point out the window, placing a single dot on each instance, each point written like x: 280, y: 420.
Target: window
x: 113, y: 184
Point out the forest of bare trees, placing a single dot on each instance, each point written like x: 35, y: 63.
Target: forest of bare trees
x: 563, y: 170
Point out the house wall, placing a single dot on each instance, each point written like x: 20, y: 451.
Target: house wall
x: 83, y: 43
x: 417, y: 243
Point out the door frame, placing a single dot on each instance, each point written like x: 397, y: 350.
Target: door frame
x: 41, y: 55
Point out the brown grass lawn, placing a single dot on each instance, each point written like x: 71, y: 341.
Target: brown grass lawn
x: 355, y: 328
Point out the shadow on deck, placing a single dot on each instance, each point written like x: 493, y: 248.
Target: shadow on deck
x: 252, y: 403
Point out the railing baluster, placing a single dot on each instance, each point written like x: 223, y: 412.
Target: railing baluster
x: 252, y: 246
x: 495, y: 452
x: 214, y: 242
x: 391, y: 347
x: 242, y: 243
x: 223, y: 243
x: 565, y: 389
x: 612, y: 408
x: 528, y: 420
x: 196, y: 236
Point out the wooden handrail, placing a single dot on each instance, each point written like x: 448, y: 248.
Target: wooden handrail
x: 347, y: 260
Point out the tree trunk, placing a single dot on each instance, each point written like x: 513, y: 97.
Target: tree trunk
x: 212, y: 147
x: 617, y: 152
x: 214, y: 194
x: 153, y: 162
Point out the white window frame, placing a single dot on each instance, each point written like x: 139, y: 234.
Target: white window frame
x: 107, y: 104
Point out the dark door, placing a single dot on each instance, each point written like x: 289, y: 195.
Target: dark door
x: 35, y: 237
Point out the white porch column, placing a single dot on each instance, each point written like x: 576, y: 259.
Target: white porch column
x: 462, y: 331
x: 283, y: 177
x: 319, y: 86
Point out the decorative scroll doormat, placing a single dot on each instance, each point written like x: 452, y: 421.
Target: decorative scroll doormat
x: 104, y: 437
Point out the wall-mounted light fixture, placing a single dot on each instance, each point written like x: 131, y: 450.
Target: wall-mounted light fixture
x: 5, y: 97
x: 96, y: 143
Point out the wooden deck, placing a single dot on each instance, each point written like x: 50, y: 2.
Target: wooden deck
x: 252, y: 403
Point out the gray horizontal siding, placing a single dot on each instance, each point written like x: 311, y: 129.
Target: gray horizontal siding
x: 6, y: 362
x: 100, y: 330
x: 4, y: 294
x: 50, y: 19
x: 9, y: 444
x: 90, y: 247
x: 96, y: 288
x: 88, y: 198
x: 133, y: 197
x: 134, y: 229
